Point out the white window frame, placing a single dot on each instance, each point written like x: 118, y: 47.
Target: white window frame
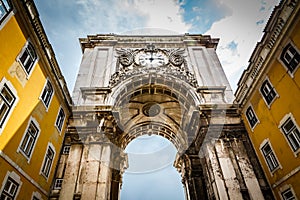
x: 7, y: 15
x: 66, y: 152
x: 272, y: 171
x: 37, y: 126
x: 50, y: 98
x: 58, y: 181
x: 254, y: 114
x: 280, y: 60
x: 34, y: 62
x: 284, y: 189
x: 59, y: 124
x: 263, y: 95
x: 36, y: 195
x: 42, y: 172
x: 16, y: 178
x: 13, y: 91
x: 282, y: 123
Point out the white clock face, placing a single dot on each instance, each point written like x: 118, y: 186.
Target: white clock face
x: 151, y: 59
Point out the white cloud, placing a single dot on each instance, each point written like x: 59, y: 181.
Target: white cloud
x: 125, y: 15
x: 165, y: 14
x: 150, y: 153
x: 243, y: 27
x: 163, y: 184
x: 110, y: 16
x: 85, y: 17
x: 195, y: 8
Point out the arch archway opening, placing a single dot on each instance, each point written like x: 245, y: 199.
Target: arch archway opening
x: 153, y: 105
x: 156, y: 104
x: 151, y: 174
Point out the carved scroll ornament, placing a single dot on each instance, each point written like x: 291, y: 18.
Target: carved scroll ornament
x: 129, y: 66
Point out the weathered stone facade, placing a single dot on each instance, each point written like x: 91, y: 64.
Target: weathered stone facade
x: 173, y: 86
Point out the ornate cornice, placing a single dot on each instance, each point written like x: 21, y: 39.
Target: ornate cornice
x: 137, y: 40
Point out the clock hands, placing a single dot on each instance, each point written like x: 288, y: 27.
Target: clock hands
x: 152, y: 58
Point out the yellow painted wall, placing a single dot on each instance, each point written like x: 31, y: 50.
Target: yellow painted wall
x: 288, y: 101
x: 26, y: 189
x: 12, y: 39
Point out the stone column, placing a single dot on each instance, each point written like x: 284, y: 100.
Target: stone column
x: 90, y: 172
x: 71, y: 173
x: 104, y: 176
x: 116, y: 184
x: 185, y: 176
x: 228, y: 170
x: 186, y: 190
x: 192, y: 176
x: 196, y: 182
x: 213, y: 164
x: 181, y: 167
x: 80, y: 180
x: 247, y: 171
x: 120, y: 163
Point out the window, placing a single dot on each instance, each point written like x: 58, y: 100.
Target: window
x: 290, y: 57
x: 270, y: 156
x: 28, y: 58
x: 48, y: 162
x: 7, y: 100
x: 5, y: 8
x: 288, y: 194
x: 268, y: 92
x: 251, y: 117
x: 10, y: 189
x: 29, y: 139
x: 291, y: 133
x: 36, y: 196
x: 60, y: 119
x: 47, y: 94
x: 66, y: 149
x: 58, y: 184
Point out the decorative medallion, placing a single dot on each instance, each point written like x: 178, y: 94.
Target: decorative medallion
x: 151, y: 109
x: 176, y: 57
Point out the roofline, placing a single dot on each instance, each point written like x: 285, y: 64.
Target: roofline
x: 29, y: 13
x: 281, y: 19
x: 112, y: 39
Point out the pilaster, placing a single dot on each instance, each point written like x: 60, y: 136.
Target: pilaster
x: 71, y: 173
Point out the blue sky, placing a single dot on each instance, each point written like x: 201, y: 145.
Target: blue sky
x: 151, y: 174
x: 238, y: 24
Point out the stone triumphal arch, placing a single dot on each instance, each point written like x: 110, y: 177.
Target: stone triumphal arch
x: 168, y: 85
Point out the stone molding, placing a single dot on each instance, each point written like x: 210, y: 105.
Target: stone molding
x: 136, y: 41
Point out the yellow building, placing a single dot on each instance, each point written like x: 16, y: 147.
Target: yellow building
x: 269, y: 96
x: 34, y: 104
